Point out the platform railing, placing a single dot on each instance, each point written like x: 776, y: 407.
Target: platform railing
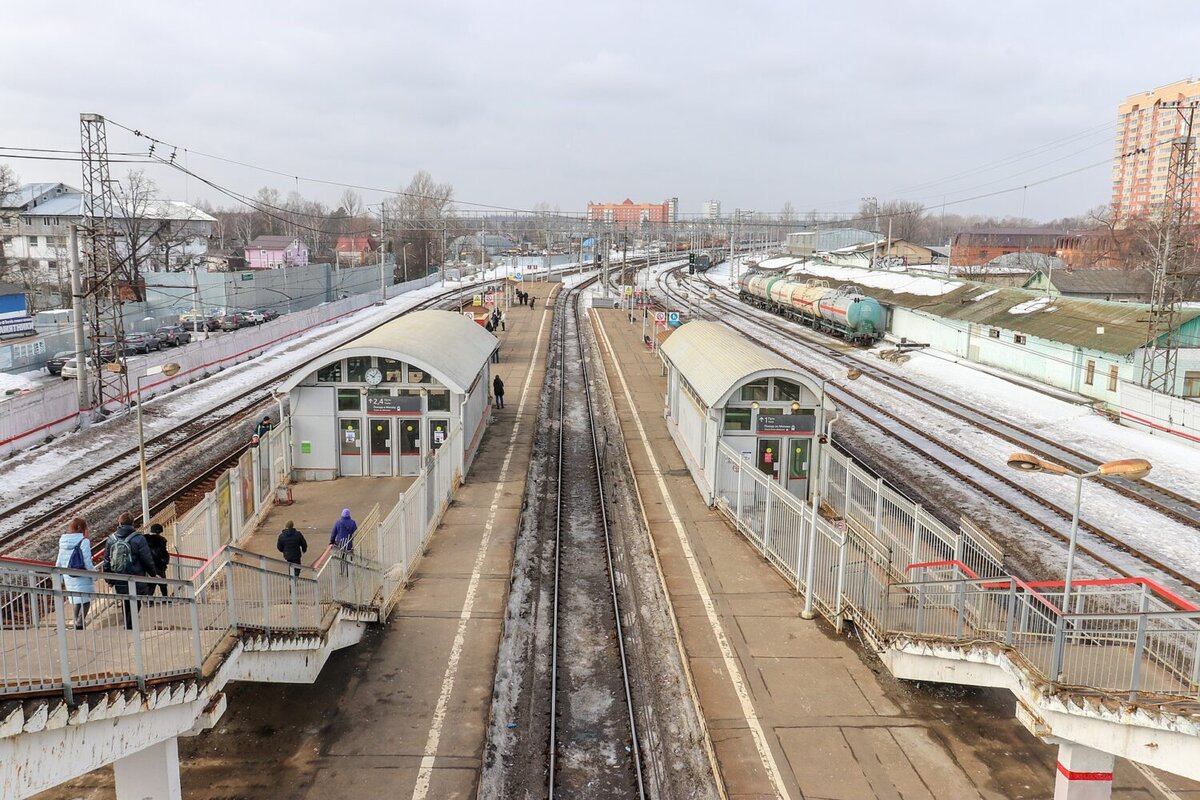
x: 1122, y: 636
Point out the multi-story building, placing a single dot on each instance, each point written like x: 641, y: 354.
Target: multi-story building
x: 711, y: 209
x: 39, y: 216
x: 1147, y: 124
x: 672, y: 209
x: 629, y: 214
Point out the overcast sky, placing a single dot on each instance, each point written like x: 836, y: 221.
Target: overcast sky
x: 751, y: 103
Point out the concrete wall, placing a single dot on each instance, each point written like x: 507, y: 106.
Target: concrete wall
x: 1174, y: 417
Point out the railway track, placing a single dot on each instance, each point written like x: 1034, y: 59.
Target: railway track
x: 69, y: 494
x: 982, y: 477
x: 593, y: 746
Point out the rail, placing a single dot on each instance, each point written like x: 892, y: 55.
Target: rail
x: 874, y: 557
x: 138, y: 631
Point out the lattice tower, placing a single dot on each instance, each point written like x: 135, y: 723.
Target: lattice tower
x: 101, y: 266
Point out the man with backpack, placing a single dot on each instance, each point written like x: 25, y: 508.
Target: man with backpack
x: 342, y: 535
x: 126, y: 552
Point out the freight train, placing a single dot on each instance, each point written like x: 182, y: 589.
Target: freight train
x: 844, y: 311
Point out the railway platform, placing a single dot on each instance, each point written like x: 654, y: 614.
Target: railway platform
x: 792, y: 709
x: 403, y: 712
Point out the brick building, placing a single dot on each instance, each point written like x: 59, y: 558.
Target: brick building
x: 1147, y: 123
x: 630, y: 214
x: 979, y: 247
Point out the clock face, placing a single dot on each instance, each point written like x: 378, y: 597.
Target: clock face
x: 374, y: 376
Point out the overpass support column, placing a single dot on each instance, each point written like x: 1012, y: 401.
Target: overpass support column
x: 1083, y: 773
x: 150, y: 773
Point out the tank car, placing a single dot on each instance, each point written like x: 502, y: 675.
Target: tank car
x: 843, y: 311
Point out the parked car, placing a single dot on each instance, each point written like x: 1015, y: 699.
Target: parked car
x: 141, y: 342
x: 70, y: 369
x: 111, y: 350
x: 255, y: 317
x: 268, y: 314
x: 173, y: 335
x: 54, y: 365
x: 231, y: 322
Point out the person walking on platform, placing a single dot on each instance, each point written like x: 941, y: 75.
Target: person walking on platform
x: 162, y: 555
x: 127, y: 553
x: 293, y: 546
x: 498, y: 391
x: 532, y: 301
x: 75, y: 552
x: 503, y: 320
x: 342, y: 536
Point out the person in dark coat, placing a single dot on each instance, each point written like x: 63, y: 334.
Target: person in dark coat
x: 293, y: 546
x: 488, y: 325
x: 498, y: 391
x: 532, y: 301
x: 126, y: 552
x: 263, y: 427
x: 162, y: 556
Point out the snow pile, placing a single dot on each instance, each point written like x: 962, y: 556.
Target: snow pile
x: 1026, y: 262
x: 984, y: 296
x: 20, y: 381
x: 1030, y: 306
x: 896, y: 282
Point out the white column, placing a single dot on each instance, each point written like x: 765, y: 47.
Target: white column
x: 150, y: 774
x: 1083, y: 773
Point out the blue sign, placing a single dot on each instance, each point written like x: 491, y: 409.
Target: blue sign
x: 589, y: 243
x: 518, y: 276
x: 673, y: 318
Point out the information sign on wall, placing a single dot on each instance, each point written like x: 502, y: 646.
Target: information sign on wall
x: 787, y: 423
x: 389, y: 404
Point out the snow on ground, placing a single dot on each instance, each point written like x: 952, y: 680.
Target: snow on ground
x: 10, y: 382
x: 34, y: 469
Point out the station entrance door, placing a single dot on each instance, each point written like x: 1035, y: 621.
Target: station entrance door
x: 380, y: 433
x: 797, y: 451
x: 350, y: 446
x: 410, y: 445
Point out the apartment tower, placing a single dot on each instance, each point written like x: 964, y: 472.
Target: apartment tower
x: 1147, y: 125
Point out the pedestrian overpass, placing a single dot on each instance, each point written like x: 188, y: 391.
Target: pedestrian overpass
x: 72, y: 701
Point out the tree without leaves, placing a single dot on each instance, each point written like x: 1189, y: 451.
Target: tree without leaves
x: 9, y: 183
x: 415, y: 222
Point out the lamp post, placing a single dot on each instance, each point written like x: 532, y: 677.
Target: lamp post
x: 1131, y: 468
x: 167, y: 369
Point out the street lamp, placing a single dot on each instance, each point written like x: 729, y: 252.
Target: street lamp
x: 169, y: 369
x: 1130, y: 468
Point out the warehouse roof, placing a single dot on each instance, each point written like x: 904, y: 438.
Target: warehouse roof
x: 1111, y: 327
x: 715, y: 359
x: 451, y: 347
x: 1098, y: 281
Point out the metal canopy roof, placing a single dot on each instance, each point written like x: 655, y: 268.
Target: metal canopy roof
x: 715, y: 359
x: 450, y: 347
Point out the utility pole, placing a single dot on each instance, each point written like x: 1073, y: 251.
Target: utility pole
x: 77, y: 298
x: 443, y: 259
x: 101, y: 280
x: 1175, y: 257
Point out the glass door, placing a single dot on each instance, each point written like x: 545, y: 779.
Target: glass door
x: 381, y: 445
x: 410, y: 446
x: 797, y: 473
x: 350, y: 446
x: 439, y: 431
x: 768, y: 457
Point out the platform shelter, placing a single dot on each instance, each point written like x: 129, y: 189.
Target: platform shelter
x: 383, y: 403
x: 721, y: 387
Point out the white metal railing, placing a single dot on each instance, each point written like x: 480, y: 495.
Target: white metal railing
x: 171, y: 626
x: 898, y: 573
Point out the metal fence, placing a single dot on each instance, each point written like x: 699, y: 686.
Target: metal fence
x: 137, y: 632
x: 877, y: 558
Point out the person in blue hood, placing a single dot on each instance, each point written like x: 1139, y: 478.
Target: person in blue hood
x: 75, y: 552
x: 342, y: 535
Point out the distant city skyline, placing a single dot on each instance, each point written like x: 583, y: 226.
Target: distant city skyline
x: 944, y: 103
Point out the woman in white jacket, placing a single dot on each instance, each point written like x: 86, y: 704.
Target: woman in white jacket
x: 76, y: 539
